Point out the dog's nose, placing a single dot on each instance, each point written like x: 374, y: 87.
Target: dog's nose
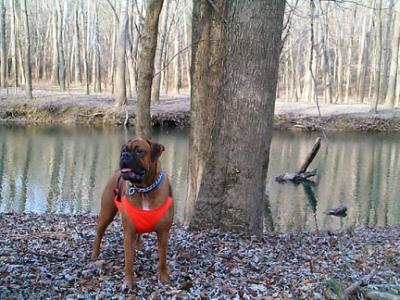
x: 124, y: 155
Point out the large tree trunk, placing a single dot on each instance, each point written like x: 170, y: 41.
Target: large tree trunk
x: 391, y: 92
x: 147, y: 49
x: 155, y: 93
x: 28, y: 78
x: 120, y: 83
x: 206, y: 74
x: 3, y: 49
x: 232, y: 188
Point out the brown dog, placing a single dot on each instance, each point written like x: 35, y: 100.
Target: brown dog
x: 144, y: 199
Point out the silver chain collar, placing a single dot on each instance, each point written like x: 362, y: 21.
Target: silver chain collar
x: 133, y: 189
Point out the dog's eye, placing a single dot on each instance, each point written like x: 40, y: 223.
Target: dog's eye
x: 139, y: 151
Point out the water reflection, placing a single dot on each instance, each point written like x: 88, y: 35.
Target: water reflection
x: 63, y: 170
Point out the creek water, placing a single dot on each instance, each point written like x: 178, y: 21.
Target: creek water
x: 64, y: 169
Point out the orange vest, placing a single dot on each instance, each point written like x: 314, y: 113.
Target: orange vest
x: 144, y: 220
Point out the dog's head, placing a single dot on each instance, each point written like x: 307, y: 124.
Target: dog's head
x: 138, y: 156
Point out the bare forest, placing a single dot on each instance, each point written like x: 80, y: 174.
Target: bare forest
x: 333, y: 51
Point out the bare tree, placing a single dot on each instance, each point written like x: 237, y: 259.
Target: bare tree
x: 120, y: 55
x: 28, y: 78
x: 155, y: 93
x: 232, y: 186
x: 3, y: 46
x: 14, y: 59
x: 77, y: 43
x: 147, y: 49
x: 391, y: 92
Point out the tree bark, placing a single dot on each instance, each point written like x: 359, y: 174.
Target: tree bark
x: 55, y: 63
x: 14, y: 59
x: 96, y: 67
x: 350, y: 58
x: 155, y: 93
x: 177, y: 59
x: 28, y: 78
x: 232, y: 187
x: 120, y: 83
x: 111, y: 72
x: 60, y: 43
x: 3, y: 46
x: 85, y: 42
x: 77, y: 42
x: 364, y: 54
x: 206, y: 75
x: 391, y: 92
x: 378, y: 61
x: 147, y: 48
x: 386, y: 51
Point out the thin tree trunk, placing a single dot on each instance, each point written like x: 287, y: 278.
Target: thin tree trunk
x: 177, y: 60
x: 46, y: 50
x: 155, y: 93
x: 147, y: 48
x: 378, y: 61
x: 28, y: 78
x: 188, y: 49
x: 60, y: 43
x: 77, y: 52
x: 386, y: 51
x: 364, y: 55
x: 3, y: 49
x: 14, y: 60
x: 96, y: 67
x: 340, y: 67
x: 391, y: 93
x: 120, y: 83
x: 349, y: 57
x: 55, y: 63
x: 111, y: 73
x: 85, y: 38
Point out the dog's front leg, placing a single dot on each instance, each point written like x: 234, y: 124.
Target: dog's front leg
x: 129, y: 237
x: 162, y: 239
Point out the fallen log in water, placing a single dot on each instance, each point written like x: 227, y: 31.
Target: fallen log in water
x: 302, y: 174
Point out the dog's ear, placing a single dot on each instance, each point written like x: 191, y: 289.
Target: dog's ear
x: 156, y: 150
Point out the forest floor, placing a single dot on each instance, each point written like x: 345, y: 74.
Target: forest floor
x: 75, y: 107
x: 48, y: 257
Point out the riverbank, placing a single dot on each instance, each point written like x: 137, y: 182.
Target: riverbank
x: 47, y: 256
x: 74, y: 107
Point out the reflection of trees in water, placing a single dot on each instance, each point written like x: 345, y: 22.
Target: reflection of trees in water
x: 66, y: 169
x: 24, y: 179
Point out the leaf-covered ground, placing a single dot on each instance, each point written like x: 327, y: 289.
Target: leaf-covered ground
x: 47, y: 256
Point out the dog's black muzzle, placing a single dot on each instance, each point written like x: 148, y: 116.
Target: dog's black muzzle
x: 130, y: 167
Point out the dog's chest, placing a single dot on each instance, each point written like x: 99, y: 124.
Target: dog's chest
x: 145, y: 205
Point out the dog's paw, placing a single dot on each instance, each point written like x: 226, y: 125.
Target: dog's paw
x: 128, y: 284
x: 164, y: 278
